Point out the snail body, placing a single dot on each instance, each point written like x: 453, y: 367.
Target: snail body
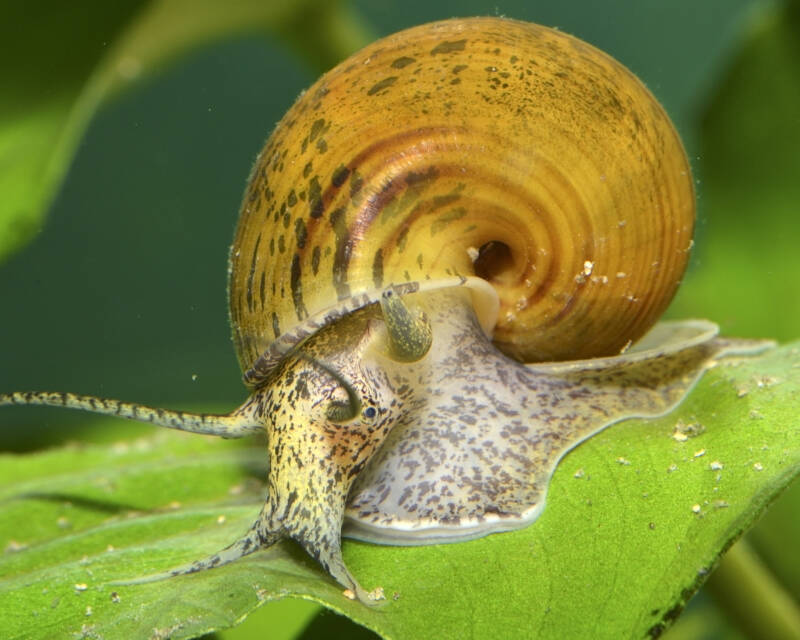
x: 444, y: 251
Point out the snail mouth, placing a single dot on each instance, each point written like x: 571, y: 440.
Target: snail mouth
x: 495, y: 263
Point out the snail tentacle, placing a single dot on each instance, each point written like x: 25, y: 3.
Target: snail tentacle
x: 410, y: 334
x: 252, y: 541
x: 237, y: 424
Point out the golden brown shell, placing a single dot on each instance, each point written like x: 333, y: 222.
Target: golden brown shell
x: 480, y: 146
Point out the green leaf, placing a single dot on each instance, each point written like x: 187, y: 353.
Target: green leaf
x: 748, y: 272
x: 62, y: 63
x: 635, y: 521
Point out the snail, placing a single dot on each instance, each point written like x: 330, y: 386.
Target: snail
x: 449, y: 264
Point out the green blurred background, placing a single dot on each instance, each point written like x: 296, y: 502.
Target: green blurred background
x: 122, y: 294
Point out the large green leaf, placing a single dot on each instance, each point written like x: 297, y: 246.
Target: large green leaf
x: 635, y: 521
x: 748, y: 272
x: 62, y: 61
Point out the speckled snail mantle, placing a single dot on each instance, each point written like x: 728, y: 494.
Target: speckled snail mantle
x: 450, y: 259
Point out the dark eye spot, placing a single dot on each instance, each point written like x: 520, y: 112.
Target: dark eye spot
x: 370, y: 412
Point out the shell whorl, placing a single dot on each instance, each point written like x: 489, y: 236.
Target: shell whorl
x: 485, y: 147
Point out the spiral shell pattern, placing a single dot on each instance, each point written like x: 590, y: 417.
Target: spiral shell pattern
x: 481, y: 147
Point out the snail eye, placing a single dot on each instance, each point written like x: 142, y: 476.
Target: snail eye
x: 370, y: 412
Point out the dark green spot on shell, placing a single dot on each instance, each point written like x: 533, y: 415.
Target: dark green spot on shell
x: 315, y: 255
x: 356, y: 182
x: 446, y: 218
x: 429, y: 174
x: 449, y: 47
x: 341, y: 258
x: 301, y: 232
x: 297, y: 289
x: 292, y: 198
x: 322, y: 146
x: 276, y: 327
x: 339, y: 177
x: 252, y: 273
x: 316, y: 129
x: 446, y: 199
x: 377, y: 269
x: 383, y: 84
x: 316, y: 206
x: 404, y: 61
x: 401, y: 240
x: 307, y: 170
x: 404, y: 203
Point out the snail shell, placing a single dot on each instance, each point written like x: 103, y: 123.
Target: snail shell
x: 482, y: 147
x: 447, y: 204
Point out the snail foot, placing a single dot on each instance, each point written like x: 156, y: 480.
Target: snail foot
x: 332, y: 561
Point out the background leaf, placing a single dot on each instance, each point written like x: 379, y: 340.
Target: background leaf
x: 52, y: 90
x: 627, y: 505
x: 747, y: 274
